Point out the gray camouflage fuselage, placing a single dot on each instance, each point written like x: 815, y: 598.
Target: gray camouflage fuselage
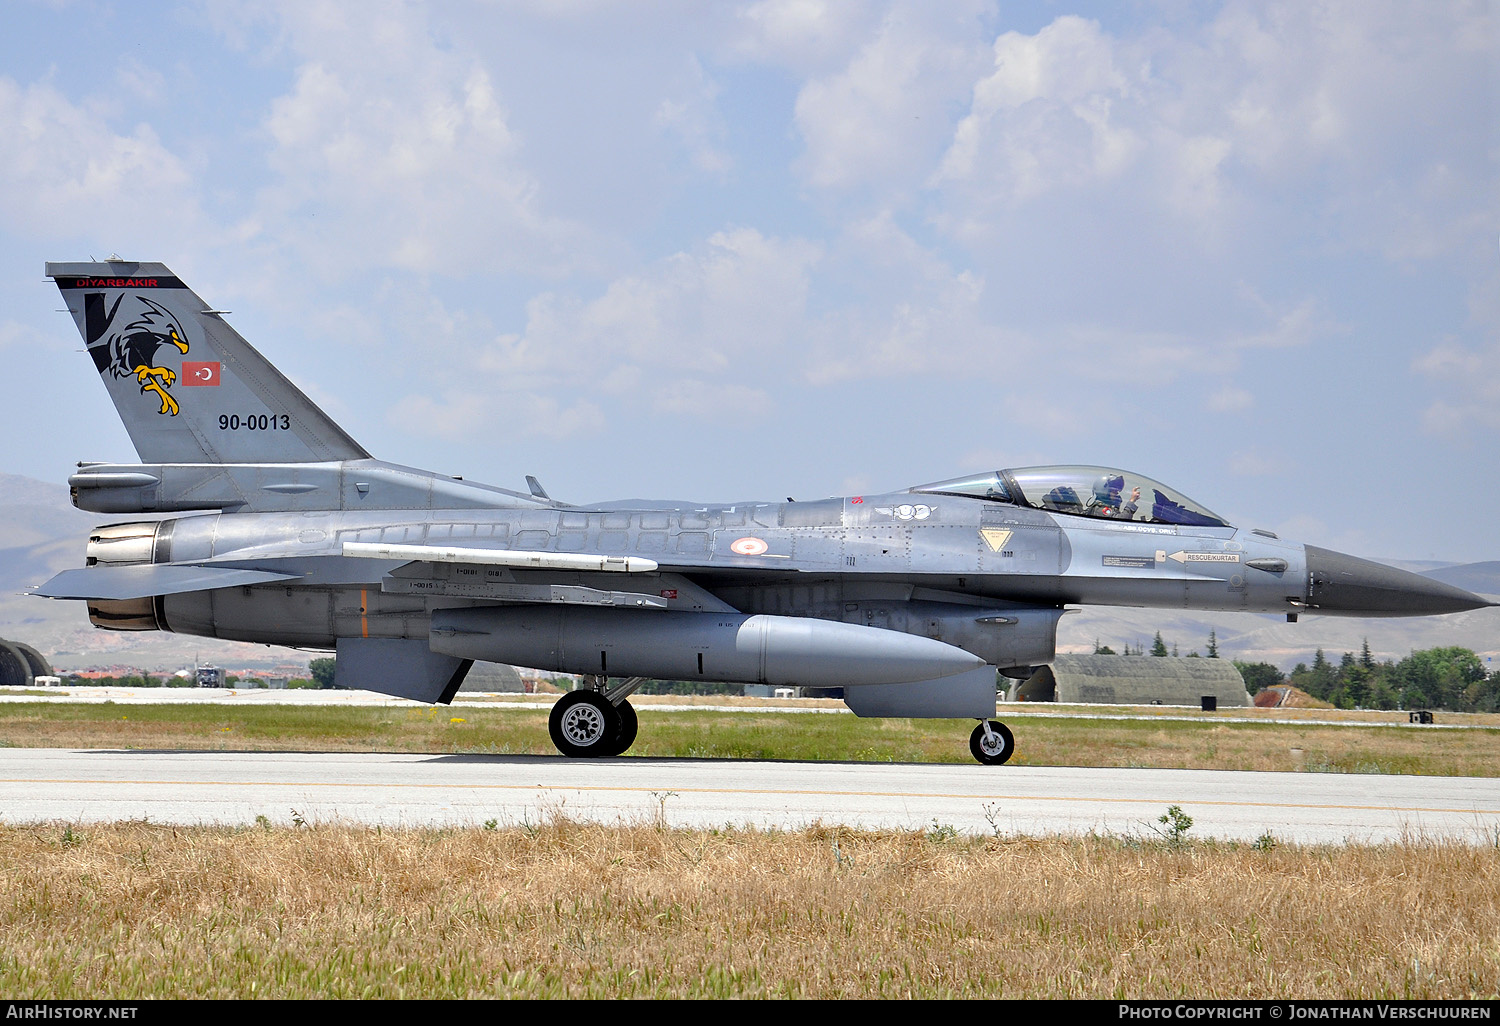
x: 289, y: 533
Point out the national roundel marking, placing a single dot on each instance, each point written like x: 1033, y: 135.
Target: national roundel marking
x: 749, y: 547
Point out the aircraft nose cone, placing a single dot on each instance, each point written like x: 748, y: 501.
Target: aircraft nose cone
x: 1348, y: 585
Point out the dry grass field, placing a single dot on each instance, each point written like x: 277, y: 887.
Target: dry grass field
x: 570, y: 910
x: 564, y: 909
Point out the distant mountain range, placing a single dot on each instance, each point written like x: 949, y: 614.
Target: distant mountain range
x: 41, y: 533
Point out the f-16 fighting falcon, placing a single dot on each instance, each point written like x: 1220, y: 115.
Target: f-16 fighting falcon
x: 271, y: 524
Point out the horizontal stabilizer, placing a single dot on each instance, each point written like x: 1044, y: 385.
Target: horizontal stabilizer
x: 400, y: 667
x: 145, y: 580
x: 961, y: 696
x: 502, y: 557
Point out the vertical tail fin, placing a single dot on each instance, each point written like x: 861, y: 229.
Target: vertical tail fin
x: 187, y: 386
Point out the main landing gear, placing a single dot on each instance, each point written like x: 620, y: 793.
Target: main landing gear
x: 595, y: 721
x: 992, y: 743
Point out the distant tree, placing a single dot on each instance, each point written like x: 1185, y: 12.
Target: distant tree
x: 1159, y: 647
x: 1102, y: 649
x: 1174, y: 650
x: 322, y: 672
x: 1259, y: 676
x: 1439, y: 678
x: 690, y: 687
x: 1320, y: 680
x: 1353, y: 688
x: 1382, y: 695
x: 1436, y: 678
x: 1213, y: 645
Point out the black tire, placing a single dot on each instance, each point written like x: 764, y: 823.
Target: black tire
x: 985, y: 747
x: 583, y: 725
x: 628, y: 727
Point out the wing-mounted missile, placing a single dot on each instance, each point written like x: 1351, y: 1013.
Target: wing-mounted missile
x: 520, y: 558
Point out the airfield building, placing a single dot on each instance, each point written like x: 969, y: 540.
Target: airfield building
x: 21, y: 664
x: 1134, y: 680
x: 493, y: 677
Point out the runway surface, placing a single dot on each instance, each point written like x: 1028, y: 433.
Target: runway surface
x: 233, y: 788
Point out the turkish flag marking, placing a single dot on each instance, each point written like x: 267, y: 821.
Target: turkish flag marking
x: 195, y: 373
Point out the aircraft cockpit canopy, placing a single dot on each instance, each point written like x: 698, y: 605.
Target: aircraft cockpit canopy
x: 1083, y: 491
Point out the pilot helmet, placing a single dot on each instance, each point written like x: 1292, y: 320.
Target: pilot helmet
x: 1107, y: 489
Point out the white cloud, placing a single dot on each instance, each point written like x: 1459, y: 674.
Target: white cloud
x: 396, y: 149
x: 696, y: 123
x: 1298, y: 326
x: 1199, y: 121
x: 1230, y: 399
x: 881, y: 119
x: 1070, y: 107
x: 806, y: 35
x: 65, y: 172
x: 459, y: 415
x: 707, y: 401
x: 1043, y: 117
x: 1255, y: 463
x: 911, y: 313
x: 144, y: 82
x: 695, y: 334
x: 14, y: 334
x: 1470, y: 379
x: 725, y: 305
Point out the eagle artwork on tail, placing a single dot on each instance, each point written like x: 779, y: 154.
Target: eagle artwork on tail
x: 132, y: 351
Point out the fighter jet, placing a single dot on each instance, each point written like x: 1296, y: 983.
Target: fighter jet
x: 269, y: 523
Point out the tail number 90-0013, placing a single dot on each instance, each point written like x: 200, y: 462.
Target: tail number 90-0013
x: 255, y: 422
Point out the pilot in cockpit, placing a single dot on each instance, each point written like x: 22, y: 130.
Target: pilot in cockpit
x: 1108, y: 502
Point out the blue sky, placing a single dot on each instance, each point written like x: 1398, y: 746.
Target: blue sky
x: 726, y: 251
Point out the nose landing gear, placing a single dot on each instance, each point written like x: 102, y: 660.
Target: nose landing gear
x: 992, y: 743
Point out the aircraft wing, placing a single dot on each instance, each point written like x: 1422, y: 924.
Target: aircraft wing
x: 135, y: 581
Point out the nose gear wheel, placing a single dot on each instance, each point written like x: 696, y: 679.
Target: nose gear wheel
x: 992, y: 743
